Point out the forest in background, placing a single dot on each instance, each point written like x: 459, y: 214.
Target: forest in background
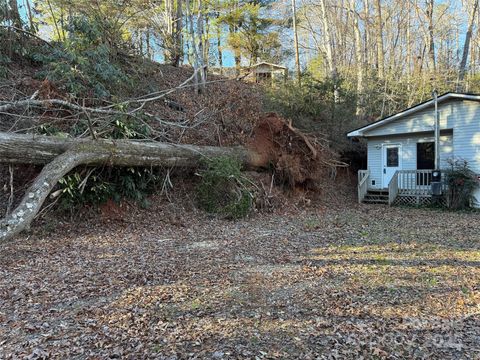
x: 358, y: 59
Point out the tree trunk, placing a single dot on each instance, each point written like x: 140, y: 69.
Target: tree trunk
x: 329, y: 50
x: 295, y: 37
x: 366, y: 49
x: 409, y: 45
x: 431, y: 40
x: 39, y: 150
x: 360, y: 108
x: 219, y: 49
x: 196, y: 34
x: 31, y: 27
x: 63, y: 155
x: 174, y: 39
x: 14, y: 14
x: 466, y: 46
x: 201, y: 47
x: 379, y: 40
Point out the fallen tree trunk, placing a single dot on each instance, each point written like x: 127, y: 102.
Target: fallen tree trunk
x: 35, y: 149
x: 62, y: 155
x: 297, y: 159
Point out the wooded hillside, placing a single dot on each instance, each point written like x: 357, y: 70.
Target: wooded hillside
x: 143, y: 71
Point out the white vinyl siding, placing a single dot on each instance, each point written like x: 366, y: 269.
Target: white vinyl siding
x: 419, y: 122
x: 408, y: 154
x: 454, y: 114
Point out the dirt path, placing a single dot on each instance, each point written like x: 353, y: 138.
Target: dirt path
x: 345, y: 282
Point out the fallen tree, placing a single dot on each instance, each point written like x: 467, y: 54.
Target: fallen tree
x: 296, y: 157
x: 62, y: 155
x: 106, y: 134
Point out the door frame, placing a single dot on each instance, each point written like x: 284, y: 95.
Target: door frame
x: 400, y: 160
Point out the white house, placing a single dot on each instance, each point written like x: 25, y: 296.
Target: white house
x: 401, y: 148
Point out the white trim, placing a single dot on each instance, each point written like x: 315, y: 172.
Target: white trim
x: 400, y: 159
x: 360, y: 132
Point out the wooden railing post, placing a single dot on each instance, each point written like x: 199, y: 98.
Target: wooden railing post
x: 363, y: 179
x: 393, y: 188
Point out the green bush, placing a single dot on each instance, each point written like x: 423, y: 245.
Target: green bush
x: 462, y: 183
x: 83, y: 63
x: 224, y: 190
x: 94, y: 186
x: 124, y: 127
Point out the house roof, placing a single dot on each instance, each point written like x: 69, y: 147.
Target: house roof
x: 412, y: 110
x: 269, y: 64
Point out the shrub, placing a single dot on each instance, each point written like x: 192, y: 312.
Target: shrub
x: 94, y: 186
x: 83, y: 62
x: 462, y: 183
x: 224, y: 190
x: 124, y: 127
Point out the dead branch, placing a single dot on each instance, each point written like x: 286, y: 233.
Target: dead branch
x: 27, y: 33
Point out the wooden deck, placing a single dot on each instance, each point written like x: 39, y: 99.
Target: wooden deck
x: 407, y: 187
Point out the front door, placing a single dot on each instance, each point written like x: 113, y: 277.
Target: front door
x: 391, y: 162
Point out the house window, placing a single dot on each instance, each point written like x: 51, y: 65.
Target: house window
x: 425, y: 161
x: 392, y: 157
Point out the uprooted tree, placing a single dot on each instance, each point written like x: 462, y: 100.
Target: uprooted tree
x: 98, y: 104
x: 272, y: 142
x: 59, y: 156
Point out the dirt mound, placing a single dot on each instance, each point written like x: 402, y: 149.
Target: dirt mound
x: 297, y: 159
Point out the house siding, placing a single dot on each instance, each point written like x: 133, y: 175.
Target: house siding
x: 408, y: 154
x: 460, y: 116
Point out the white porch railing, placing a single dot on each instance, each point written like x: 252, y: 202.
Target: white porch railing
x: 405, y: 186
x: 416, y: 182
x: 363, y: 180
x: 412, y: 184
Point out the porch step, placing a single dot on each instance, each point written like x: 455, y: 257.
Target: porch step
x: 376, y: 197
x: 377, y: 192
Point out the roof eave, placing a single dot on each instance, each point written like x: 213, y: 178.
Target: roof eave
x: 355, y: 134
x: 360, y: 132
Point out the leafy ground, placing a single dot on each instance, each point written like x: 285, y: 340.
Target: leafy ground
x: 326, y: 282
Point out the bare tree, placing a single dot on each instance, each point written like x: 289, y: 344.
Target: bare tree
x: 329, y: 48
x: 466, y: 46
x: 380, y: 60
x: 359, y: 60
x: 14, y: 14
x: 174, y: 28
x: 295, y: 36
x: 196, y: 35
x: 431, y: 41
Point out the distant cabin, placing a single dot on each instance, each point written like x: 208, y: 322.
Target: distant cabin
x: 265, y: 72
x: 261, y: 73
x: 401, y: 148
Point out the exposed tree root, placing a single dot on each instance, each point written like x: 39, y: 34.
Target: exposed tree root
x: 296, y: 156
